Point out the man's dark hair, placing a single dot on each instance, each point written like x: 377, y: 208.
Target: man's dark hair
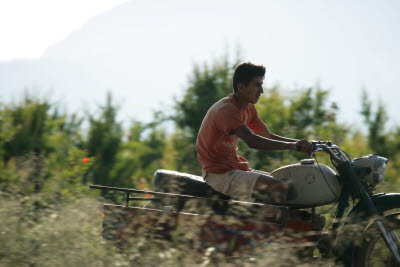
x: 244, y: 72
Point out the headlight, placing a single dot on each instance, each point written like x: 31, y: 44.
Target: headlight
x: 376, y: 165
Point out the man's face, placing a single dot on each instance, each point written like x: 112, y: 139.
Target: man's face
x: 251, y: 93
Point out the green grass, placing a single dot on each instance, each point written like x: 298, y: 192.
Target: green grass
x: 69, y: 234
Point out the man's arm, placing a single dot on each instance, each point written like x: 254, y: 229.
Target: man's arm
x: 265, y: 141
x: 262, y: 142
x: 267, y: 134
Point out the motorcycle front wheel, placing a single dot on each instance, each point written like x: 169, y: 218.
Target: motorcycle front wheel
x: 373, y: 250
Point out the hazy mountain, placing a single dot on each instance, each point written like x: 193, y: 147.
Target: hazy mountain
x: 141, y: 52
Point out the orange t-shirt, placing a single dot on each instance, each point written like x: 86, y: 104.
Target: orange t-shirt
x: 216, y: 146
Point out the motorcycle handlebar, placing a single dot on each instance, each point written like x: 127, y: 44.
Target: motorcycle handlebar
x: 317, y: 145
x: 332, y: 150
x: 321, y: 145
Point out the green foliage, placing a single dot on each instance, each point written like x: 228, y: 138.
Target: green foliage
x: 375, y: 122
x: 35, y: 140
x: 24, y: 128
x: 185, y: 155
x: 104, y: 140
x: 297, y: 114
x: 40, y: 145
x: 207, y: 85
x: 140, y: 156
x: 303, y: 113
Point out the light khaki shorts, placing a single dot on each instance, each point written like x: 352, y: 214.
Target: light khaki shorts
x: 237, y: 184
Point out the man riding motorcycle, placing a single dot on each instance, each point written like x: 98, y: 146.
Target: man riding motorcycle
x: 235, y: 117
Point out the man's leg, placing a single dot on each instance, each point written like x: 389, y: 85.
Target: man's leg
x: 268, y: 189
x: 245, y: 185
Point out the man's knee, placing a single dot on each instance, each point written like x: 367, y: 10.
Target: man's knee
x: 278, y: 191
x: 269, y: 188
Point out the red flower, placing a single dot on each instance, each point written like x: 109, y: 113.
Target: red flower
x: 148, y: 195
x: 85, y: 160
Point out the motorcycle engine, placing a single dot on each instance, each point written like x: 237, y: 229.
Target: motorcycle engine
x: 376, y: 165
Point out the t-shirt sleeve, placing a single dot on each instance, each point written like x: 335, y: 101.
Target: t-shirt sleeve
x: 228, y: 119
x: 255, y: 123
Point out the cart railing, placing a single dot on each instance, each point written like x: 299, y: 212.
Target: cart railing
x: 161, y: 195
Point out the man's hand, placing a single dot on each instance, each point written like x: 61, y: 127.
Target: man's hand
x: 305, y: 146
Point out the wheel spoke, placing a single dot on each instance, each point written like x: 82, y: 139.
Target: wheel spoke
x: 389, y: 241
x: 395, y: 237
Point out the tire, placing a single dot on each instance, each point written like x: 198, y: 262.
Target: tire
x: 372, y: 250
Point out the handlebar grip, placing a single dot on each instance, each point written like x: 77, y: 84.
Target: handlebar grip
x: 314, y: 145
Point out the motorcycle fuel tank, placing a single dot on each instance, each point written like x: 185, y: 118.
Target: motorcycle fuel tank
x: 312, y: 184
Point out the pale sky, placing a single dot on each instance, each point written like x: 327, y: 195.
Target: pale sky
x: 344, y: 45
x: 29, y: 27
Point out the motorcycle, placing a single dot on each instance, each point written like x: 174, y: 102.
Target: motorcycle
x: 366, y: 235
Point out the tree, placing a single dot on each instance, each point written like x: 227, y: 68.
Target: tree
x: 139, y: 156
x: 104, y: 140
x: 375, y: 122
x: 304, y: 113
x: 207, y: 84
x: 40, y: 150
x: 24, y: 128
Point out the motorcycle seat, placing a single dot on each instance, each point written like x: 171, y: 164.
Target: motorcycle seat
x: 167, y: 181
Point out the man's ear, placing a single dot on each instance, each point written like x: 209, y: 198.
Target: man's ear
x: 240, y: 86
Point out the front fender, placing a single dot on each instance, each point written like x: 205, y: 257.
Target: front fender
x: 383, y: 202
x: 349, y: 231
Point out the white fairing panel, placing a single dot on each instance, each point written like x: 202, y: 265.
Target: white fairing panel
x: 313, y: 185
